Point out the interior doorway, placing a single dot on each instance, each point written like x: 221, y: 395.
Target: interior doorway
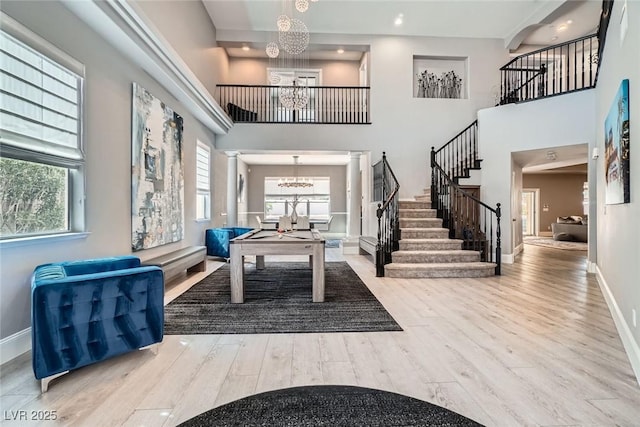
x: 530, y: 211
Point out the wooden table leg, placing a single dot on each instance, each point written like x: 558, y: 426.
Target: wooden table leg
x: 259, y: 262
x: 318, y: 272
x: 237, y: 275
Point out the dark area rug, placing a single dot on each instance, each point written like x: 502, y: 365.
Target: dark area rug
x: 278, y: 300
x: 329, y: 406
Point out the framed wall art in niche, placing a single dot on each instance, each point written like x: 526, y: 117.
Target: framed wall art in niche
x: 440, y: 77
x: 157, y: 178
x: 616, y: 148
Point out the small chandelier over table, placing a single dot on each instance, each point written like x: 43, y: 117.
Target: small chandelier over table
x: 295, y: 182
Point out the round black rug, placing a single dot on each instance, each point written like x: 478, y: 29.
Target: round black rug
x: 329, y: 406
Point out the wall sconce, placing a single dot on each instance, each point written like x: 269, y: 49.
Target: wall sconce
x: 595, y: 153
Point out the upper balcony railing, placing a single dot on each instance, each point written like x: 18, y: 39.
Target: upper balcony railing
x: 554, y: 70
x: 325, y: 105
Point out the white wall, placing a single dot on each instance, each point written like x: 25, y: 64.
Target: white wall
x: 253, y: 71
x: 552, y: 122
x: 189, y: 30
x: 618, y: 226
x: 107, y: 139
x: 403, y: 126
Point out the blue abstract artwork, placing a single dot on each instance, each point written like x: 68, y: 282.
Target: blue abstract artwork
x: 157, y: 178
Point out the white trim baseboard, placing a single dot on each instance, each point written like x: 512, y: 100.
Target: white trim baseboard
x: 507, y: 258
x: 518, y: 249
x: 629, y: 343
x: 15, y: 345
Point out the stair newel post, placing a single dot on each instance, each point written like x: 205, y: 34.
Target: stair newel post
x: 498, y: 244
x: 434, y: 191
x: 379, y: 247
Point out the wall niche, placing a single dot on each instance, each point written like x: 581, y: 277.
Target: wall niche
x: 443, y: 77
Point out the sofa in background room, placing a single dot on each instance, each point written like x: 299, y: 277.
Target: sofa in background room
x: 570, y: 228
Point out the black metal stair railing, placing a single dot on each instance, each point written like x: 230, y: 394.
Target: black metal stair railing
x: 554, y: 70
x: 385, y: 189
x: 460, y: 154
x: 324, y: 104
x: 466, y: 217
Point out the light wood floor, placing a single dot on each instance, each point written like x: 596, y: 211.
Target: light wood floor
x: 536, y: 346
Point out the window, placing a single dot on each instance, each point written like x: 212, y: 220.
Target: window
x: 41, y: 159
x: 313, y: 201
x: 203, y: 189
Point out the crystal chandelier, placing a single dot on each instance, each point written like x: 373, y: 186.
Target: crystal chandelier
x: 295, y: 182
x: 272, y: 50
x: 294, y: 98
x: 284, y: 23
x: 302, y: 5
x: 296, y: 39
x: 293, y: 40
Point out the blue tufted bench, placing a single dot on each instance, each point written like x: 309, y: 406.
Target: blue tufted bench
x: 217, y: 239
x: 87, y: 311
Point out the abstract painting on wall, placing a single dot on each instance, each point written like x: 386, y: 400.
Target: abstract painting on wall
x: 616, y: 148
x: 157, y: 179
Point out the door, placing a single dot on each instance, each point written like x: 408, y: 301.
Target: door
x: 530, y: 218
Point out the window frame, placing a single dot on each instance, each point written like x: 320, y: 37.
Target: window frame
x: 201, y: 190
x: 34, y: 150
x: 305, y: 198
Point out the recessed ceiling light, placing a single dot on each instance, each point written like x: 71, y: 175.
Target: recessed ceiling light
x: 570, y: 22
x: 562, y: 27
x: 398, y: 21
x: 554, y: 38
x: 340, y: 51
x: 245, y: 48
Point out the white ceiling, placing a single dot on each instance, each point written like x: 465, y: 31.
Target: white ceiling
x: 551, y: 158
x: 531, y: 22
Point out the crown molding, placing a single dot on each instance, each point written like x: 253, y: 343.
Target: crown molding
x: 129, y: 31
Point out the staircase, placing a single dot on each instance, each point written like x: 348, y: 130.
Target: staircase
x: 426, y: 251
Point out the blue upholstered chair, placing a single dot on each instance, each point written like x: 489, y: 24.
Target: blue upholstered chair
x: 217, y: 239
x: 87, y: 311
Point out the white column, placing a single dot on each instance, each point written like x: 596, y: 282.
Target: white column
x: 355, y: 197
x: 232, y: 188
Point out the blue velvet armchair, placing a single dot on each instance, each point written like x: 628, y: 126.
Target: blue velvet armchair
x: 87, y: 311
x: 217, y: 239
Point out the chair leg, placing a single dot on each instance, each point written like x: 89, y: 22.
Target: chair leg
x: 44, y: 382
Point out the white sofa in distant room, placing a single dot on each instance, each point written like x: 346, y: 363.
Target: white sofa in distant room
x: 570, y: 228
